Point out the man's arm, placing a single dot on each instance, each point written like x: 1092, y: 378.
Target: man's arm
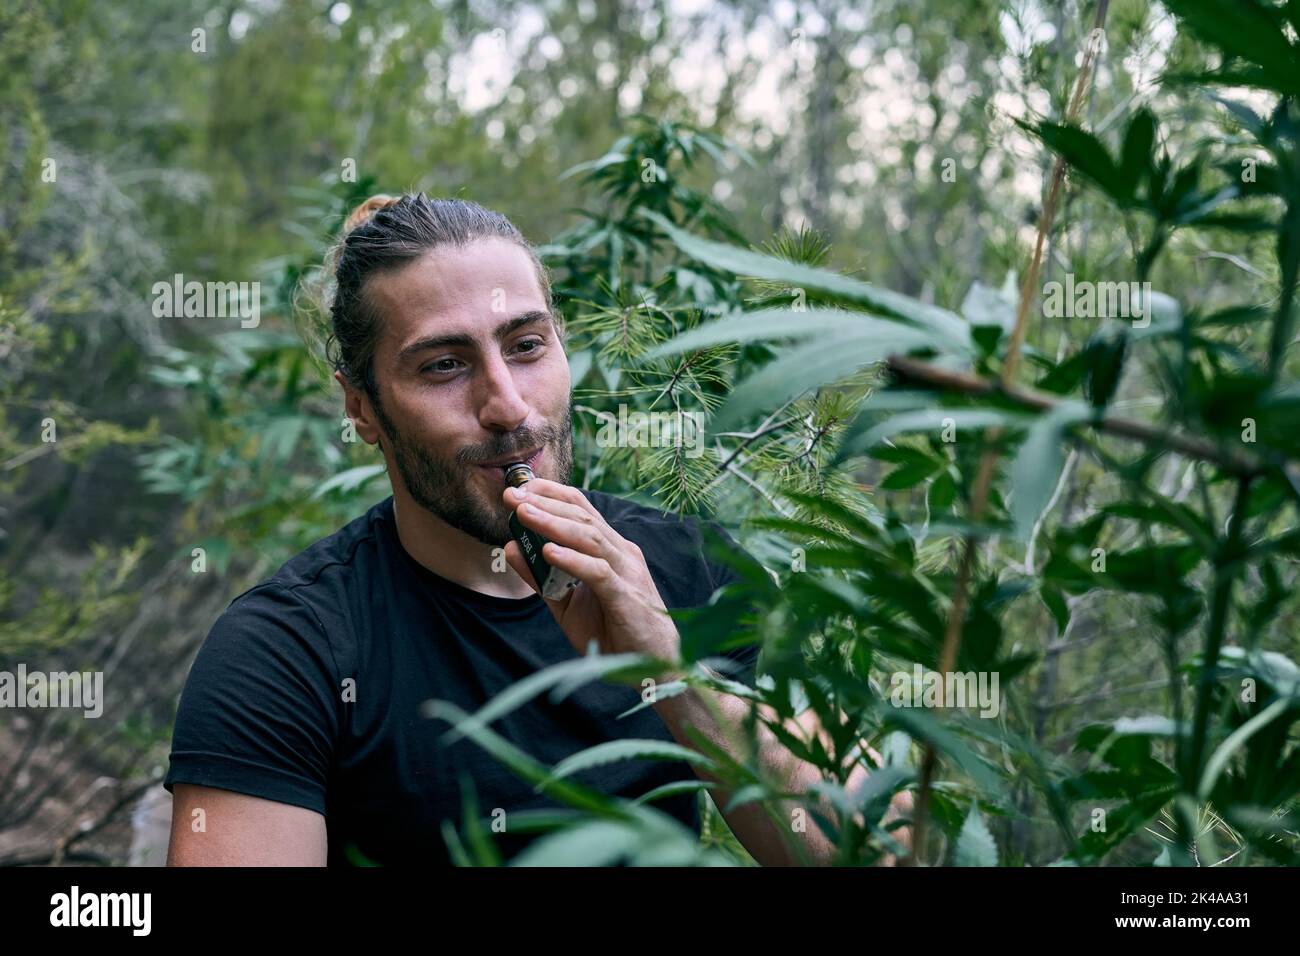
x: 622, y: 610
x: 212, y: 827
x: 254, y: 737
x: 770, y: 842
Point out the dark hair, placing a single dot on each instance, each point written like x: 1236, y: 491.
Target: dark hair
x: 385, y: 233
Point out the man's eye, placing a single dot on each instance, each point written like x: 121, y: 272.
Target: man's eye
x: 438, y: 366
x: 448, y: 365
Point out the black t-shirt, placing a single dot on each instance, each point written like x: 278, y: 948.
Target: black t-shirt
x: 263, y: 711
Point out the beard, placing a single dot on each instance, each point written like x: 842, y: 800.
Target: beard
x: 445, y: 486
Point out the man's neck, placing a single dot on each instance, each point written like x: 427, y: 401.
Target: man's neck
x: 451, y: 553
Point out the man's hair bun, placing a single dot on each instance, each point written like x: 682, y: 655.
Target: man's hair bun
x: 361, y: 215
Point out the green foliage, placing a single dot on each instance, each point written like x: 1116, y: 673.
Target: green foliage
x: 877, y: 587
x: 1128, y: 592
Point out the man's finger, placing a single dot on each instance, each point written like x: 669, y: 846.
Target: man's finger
x: 601, y: 541
x: 615, y: 546
x: 553, y: 489
x: 587, y: 539
x: 553, y: 505
x: 593, y: 572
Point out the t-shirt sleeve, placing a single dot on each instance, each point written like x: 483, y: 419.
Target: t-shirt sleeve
x: 258, y: 714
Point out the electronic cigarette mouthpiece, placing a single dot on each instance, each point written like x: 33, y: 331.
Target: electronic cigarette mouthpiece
x: 553, y: 583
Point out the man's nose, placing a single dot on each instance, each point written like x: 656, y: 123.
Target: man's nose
x: 501, y: 405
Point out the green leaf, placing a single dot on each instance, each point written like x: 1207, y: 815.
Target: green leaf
x: 863, y: 435
x: 1116, y: 784
x: 743, y: 262
x: 811, y: 366
x: 909, y: 476
x: 873, y: 797
x: 580, y: 364
x: 349, y: 481
x: 1104, y: 358
x: 1237, y: 739
x: 1245, y: 29
x: 477, y: 835
x: 1126, y: 745
x: 673, y: 789
x: 1237, y: 315
x: 1276, y: 671
x: 1057, y: 605
x: 662, y: 692
x: 943, y: 492
x: 597, y: 843
x: 975, y: 846
x: 1121, y: 823
x: 626, y: 749
x: 612, y: 158
x: 356, y: 857
x: 987, y: 306
x: 1196, y: 206
x: 905, y: 455
x: 1139, y: 138
x: 520, y: 763
x: 281, y: 437
x: 1245, y: 115
x: 750, y: 793
x: 1037, y: 465
x: 573, y: 673
x: 1165, y: 511
x: 1086, y: 154
x: 767, y: 324
x: 1148, y: 725
x: 923, y: 725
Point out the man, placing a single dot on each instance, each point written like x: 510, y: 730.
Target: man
x: 300, y: 737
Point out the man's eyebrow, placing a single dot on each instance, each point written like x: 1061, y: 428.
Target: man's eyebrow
x: 462, y: 339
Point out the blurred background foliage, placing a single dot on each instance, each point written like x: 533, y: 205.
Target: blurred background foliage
x: 683, y: 166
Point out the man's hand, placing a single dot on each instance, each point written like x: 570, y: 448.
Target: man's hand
x: 617, y: 604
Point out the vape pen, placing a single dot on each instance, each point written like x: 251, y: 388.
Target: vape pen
x: 553, y: 582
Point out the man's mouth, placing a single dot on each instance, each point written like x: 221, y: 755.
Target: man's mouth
x: 500, y: 467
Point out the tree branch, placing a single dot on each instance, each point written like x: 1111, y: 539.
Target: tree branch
x: 1235, y: 462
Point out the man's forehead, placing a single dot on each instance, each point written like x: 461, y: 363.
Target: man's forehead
x: 471, y: 289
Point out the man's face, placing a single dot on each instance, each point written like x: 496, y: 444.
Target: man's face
x: 470, y: 369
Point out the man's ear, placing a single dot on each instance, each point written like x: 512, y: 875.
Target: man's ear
x: 358, y: 407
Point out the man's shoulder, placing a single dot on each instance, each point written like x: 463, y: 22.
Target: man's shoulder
x: 334, y: 562
x: 338, y: 552
x: 290, y: 623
